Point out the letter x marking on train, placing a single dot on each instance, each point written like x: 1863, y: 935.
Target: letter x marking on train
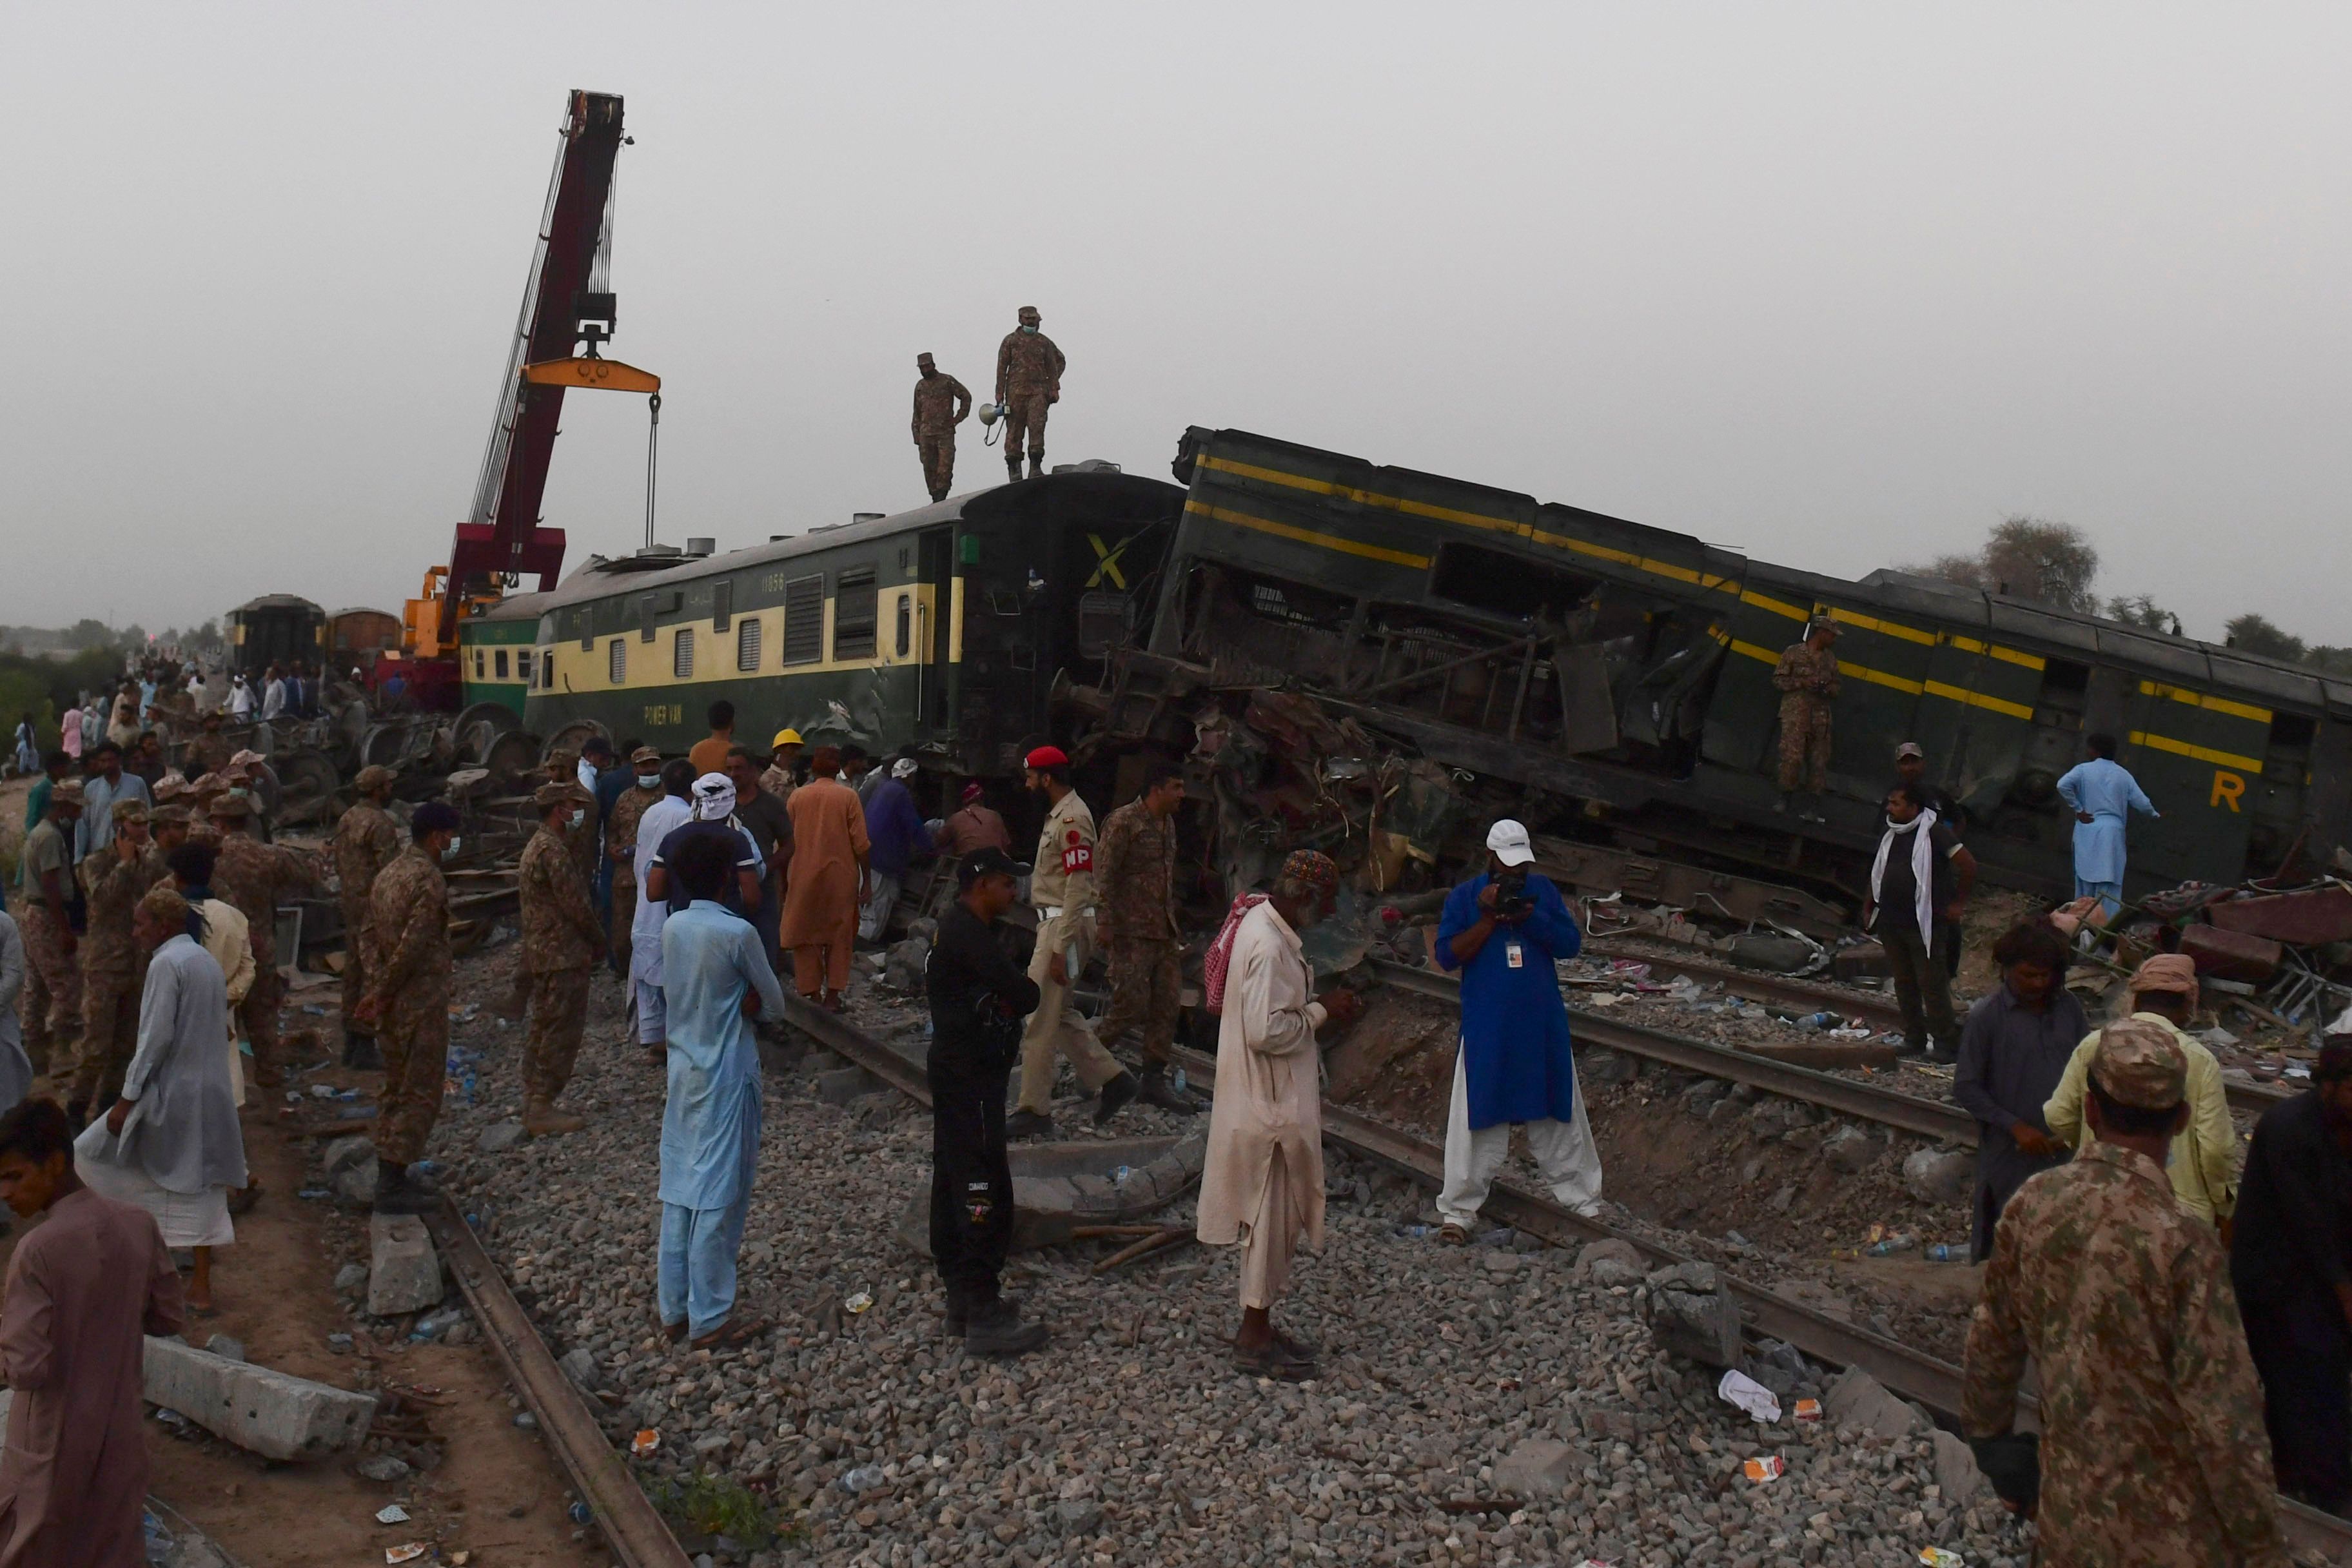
x: 1107, y: 561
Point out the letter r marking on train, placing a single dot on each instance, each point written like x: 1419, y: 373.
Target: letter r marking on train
x: 1107, y: 561
x: 2227, y: 786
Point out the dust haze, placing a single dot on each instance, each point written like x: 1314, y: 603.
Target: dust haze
x: 1841, y: 286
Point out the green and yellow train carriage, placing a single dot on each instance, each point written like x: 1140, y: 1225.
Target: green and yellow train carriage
x: 1625, y: 672
x: 940, y: 628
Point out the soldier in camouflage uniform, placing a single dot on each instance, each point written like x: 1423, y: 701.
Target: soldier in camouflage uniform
x: 941, y: 403
x: 2153, y: 1452
x: 113, y: 969
x: 1136, y: 870
x: 1807, y: 677
x: 562, y: 944
x: 1028, y: 381
x: 366, y: 841
x: 256, y: 876
x: 621, y: 845
x: 408, y: 1003
x: 209, y: 753
x: 47, y: 907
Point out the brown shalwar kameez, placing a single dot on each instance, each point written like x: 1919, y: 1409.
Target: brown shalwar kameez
x: 84, y: 1287
x: 820, y: 919
x: 1262, y: 1184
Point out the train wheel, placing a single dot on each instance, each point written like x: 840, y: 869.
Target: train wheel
x: 310, y: 781
x: 477, y: 730
x: 509, y: 757
x: 572, y: 737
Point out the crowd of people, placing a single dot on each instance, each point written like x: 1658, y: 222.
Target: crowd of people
x: 2193, y: 1326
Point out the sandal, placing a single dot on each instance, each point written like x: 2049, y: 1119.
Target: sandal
x: 241, y: 1201
x: 1452, y: 1235
x: 1268, y: 1361
x: 731, y: 1333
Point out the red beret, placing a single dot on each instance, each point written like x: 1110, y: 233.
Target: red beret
x: 1047, y: 757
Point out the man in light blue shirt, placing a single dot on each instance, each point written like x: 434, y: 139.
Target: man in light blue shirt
x: 715, y: 977
x: 107, y: 784
x: 2102, y: 795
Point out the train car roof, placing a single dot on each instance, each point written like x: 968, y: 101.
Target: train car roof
x: 362, y: 610
x: 598, y: 576
x: 277, y: 602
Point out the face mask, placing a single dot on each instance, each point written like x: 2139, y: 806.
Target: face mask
x: 649, y: 780
x: 1028, y: 326
x: 452, y: 851
x: 578, y: 816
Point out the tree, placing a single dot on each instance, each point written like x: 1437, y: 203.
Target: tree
x: 88, y: 632
x: 2050, y: 563
x: 2253, y: 633
x: 2142, y: 610
x: 1968, y: 570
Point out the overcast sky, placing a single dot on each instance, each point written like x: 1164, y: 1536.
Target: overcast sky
x: 1841, y: 286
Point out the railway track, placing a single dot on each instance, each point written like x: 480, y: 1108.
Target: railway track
x: 1909, y: 1372
x: 633, y: 1528
x: 1931, y: 1119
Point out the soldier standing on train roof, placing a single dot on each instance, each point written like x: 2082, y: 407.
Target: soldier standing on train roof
x: 941, y: 403
x: 1807, y: 675
x: 1062, y: 887
x: 1028, y: 381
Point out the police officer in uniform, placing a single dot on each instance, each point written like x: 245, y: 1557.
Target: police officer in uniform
x: 1062, y: 889
x: 1028, y: 381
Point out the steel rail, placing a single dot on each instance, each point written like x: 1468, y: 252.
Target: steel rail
x: 633, y: 1528
x: 1850, y: 1097
x: 1912, y: 1373
x: 2251, y: 1098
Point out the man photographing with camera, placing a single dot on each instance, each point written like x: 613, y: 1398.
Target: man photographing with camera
x: 1503, y: 932
x: 977, y: 997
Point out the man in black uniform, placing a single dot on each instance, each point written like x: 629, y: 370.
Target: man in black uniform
x: 979, y: 997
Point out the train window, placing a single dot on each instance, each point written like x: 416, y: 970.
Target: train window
x: 747, y: 643
x: 478, y: 666
x: 722, y: 606
x: 523, y: 665
x: 805, y: 620
x: 645, y: 618
x: 498, y: 663
x: 1504, y: 583
x: 906, y: 622
x: 681, y: 655
x: 1102, y: 622
x: 855, y: 610
x: 616, y: 668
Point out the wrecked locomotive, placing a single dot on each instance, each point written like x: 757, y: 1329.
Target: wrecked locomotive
x: 1611, y: 682
x: 940, y: 629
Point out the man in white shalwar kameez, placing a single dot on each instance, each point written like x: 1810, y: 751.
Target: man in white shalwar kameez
x: 1262, y: 1184
x: 673, y: 810
x: 171, y: 1144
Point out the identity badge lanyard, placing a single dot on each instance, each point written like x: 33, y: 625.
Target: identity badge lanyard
x: 1515, y: 955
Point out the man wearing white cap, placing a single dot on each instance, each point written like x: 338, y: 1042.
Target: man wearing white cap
x: 1503, y: 932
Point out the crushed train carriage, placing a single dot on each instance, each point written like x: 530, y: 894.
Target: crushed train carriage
x: 1613, y: 682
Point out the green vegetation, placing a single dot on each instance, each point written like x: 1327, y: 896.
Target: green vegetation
x: 713, y: 1504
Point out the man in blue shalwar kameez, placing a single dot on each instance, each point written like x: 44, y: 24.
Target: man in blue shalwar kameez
x: 715, y: 976
x: 1503, y: 931
x: 2102, y: 795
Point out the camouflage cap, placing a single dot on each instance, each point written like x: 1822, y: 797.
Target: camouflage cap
x: 245, y: 759
x: 170, y: 786
x: 1821, y: 624
x: 169, y: 816
x: 66, y: 792
x: 547, y: 796
x: 645, y: 754
x: 1030, y: 312
x: 925, y: 359
x: 131, y: 811
x: 375, y: 775
x: 232, y: 809
x: 2139, y: 1064
x: 209, y: 784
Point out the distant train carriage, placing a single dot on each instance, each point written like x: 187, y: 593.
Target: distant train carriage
x: 275, y: 628
x: 944, y: 627
x: 355, y: 636
x: 1627, y: 671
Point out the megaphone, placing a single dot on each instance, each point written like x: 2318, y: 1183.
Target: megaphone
x: 991, y: 415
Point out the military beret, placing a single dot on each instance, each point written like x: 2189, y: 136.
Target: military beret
x: 234, y: 807
x: 547, y: 796
x: 131, y: 811
x: 375, y: 775
x: 1047, y: 757
x: 2139, y: 1064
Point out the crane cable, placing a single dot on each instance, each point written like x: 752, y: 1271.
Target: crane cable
x: 652, y: 460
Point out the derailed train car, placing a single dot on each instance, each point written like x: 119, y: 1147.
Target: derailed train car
x: 1615, y: 679
x: 942, y: 629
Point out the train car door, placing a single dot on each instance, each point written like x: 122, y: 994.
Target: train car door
x: 2200, y: 758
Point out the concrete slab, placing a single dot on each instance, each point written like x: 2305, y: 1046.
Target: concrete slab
x: 1537, y: 1470
x: 267, y: 1412
x: 404, y: 1271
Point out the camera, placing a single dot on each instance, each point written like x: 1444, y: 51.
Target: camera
x: 1511, y: 900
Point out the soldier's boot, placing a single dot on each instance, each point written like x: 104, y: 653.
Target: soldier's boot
x: 1155, y: 1090
x: 1028, y: 1124
x: 1012, y: 465
x: 360, y: 1053
x: 397, y: 1193
x: 1114, y: 1096
x: 1037, y: 465
x: 542, y: 1119
x: 996, y: 1329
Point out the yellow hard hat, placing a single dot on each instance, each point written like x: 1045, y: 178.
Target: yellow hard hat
x: 786, y: 738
